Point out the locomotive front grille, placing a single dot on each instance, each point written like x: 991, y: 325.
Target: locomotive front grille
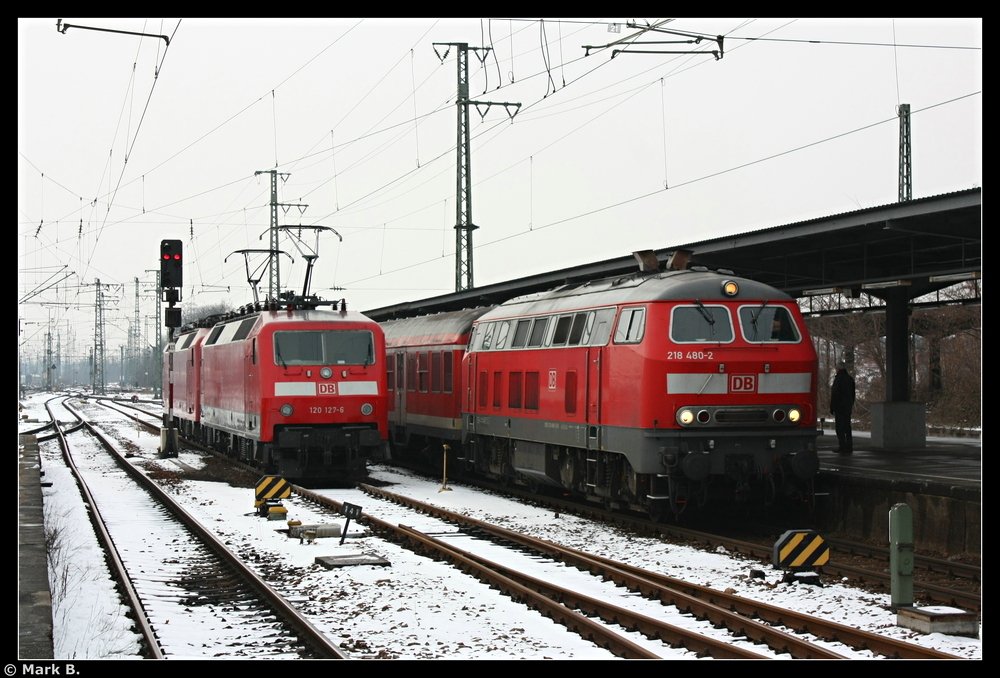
x: 741, y: 416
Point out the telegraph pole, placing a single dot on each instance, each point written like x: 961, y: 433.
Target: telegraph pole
x: 463, y: 165
x: 97, y: 384
x: 274, y: 273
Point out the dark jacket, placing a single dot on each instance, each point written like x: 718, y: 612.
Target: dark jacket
x: 842, y: 392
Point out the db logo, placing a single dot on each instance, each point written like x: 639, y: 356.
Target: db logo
x: 552, y: 380
x: 328, y: 389
x: 742, y: 383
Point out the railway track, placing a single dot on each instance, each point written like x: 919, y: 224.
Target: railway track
x: 189, y: 595
x: 936, y: 581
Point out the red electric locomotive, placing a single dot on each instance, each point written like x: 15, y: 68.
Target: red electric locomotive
x: 298, y: 391
x: 650, y: 391
x: 182, y: 380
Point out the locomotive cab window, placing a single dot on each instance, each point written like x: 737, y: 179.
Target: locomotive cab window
x: 700, y: 323
x: 631, y: 324
x: 762, y: 323
x: 324, y: 347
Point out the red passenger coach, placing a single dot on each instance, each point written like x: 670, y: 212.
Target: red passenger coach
x: 424, y: 357
x: 646, y: 391
x: 300, y: 392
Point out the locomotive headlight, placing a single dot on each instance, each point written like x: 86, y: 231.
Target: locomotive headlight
x: 779, y: 415
x: 794, y: 415
x: 286, y: 410
x: 730, y: 288
x: 367, y: 409
x: 326, y: 373
x: 685, y: 417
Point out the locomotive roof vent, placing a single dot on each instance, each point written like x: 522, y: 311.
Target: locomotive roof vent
x: 679, y: 260
x: 648, y: 263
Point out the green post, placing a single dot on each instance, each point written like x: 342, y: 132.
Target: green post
x: 901, y: 555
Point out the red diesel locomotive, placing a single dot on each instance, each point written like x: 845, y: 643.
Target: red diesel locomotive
x: 298, y: 391
x: 650, y: 392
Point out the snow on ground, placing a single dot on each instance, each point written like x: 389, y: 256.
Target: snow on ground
x: 415, y: 608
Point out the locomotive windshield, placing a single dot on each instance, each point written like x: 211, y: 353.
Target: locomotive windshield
x: 701, y: 323
x: 768, y: 324
x: 324, y: 347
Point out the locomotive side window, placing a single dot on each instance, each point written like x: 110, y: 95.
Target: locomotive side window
x: 583, y: 323
x: 700, y: 323
x: 244, y: 328
x: 630, y: 326
x: 531, y: 390
x: 324, y: 347
x: 602, y: 327
x: 537, y: 332
x: 487, y: 337
x: 497, y: 388
x: 768, y: 324
x: 483, y: 383
x: 520, y: 334
x: 514, y: 390
x: 561, y: 334
x: 570, y: 396
x: 216, y: 331
x: 502, y: 332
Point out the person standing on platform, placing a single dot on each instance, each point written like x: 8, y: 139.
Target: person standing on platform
x: 841, y: 405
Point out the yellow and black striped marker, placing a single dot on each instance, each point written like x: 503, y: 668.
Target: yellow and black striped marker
x: 270, y: 489
x: 800, y: 550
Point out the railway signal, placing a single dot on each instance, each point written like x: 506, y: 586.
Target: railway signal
x: 171, y: 264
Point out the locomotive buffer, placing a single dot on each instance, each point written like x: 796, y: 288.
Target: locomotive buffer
x: 171, y: 282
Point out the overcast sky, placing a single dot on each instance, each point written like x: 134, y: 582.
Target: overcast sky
x: 125, y: 140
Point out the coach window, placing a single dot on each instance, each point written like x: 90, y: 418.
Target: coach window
x: 520, y: 334
x: 422, y: 371
x: 700, y: 323
x: 436, y: 372
x: 538, y: 332
x: 390, y: 372
x: 411, y: 372
x: 447, y: 372
x: 502, y: 331
x: 631, y: 324
x: 400, y: 370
